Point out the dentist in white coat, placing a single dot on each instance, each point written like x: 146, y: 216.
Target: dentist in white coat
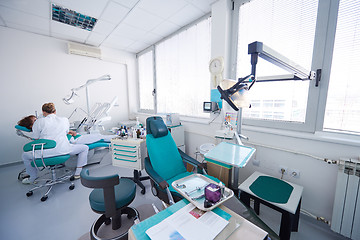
x: 54, y: 128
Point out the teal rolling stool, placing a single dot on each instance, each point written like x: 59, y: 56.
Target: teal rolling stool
x: 50, y: 162
x: 110, y: 198
x: 282, y: 196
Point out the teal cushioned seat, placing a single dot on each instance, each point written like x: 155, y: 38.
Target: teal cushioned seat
x: 98, y: 144
x: 51, y: 161
x: 163, y: 151
x: 271, y: 189
x: 124, y: 194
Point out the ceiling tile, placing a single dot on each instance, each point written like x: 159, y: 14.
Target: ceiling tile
x: 204, y: 5
x: 127, y: 3
x: 165, y: 29
x: 68, y: 38
x: 16, y: 17
x: 27, y: 29
x: 91, y: 8
x: 141, y: 19
x: 137, y: 47
x: 95, y: 39
x: 39, y: 8
x: 151, y: 38
x: 117, y: 41
x: 62, y: 28
x: 103, y: 27
x: 129, y: 31
x: 114, y: 13
x: 186, y: 15
x: 161, y: 8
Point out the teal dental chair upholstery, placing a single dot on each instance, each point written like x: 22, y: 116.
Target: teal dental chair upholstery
x: 110, y: 198
x: 51, y: 163
x: 165, y: 161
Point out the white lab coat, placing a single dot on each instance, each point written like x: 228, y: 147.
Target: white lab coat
x: 55, y: 128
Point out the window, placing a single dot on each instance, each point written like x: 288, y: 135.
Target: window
x: 146, y: 81
x: 181, y: 73
x: 343, y: 100
x: 287, y: 27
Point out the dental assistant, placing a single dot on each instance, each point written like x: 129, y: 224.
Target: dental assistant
x: 54, y: 128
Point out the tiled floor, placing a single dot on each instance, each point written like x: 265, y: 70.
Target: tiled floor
x: 67, y: 215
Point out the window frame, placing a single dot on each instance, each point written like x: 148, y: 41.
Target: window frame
x: 149, y: 49
x: 321, y: 59
x: 153, y: 48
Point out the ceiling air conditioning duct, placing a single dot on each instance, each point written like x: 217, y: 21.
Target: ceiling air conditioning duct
x: 84, y: 50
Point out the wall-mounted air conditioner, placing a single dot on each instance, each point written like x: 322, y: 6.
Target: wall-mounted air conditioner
x: 84, y: 50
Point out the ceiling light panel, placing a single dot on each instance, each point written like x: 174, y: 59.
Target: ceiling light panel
x: 73, y: 18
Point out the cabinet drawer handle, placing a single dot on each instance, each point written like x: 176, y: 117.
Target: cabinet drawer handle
x: 120, y: 150
x: 126, y: 160
x: 117, y: 145
x: 117, y: 154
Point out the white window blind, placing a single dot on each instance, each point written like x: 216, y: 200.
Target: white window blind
x: 146, y: 81
x: 343, y: 101
x: 287, y: 27
x: 182, y: 75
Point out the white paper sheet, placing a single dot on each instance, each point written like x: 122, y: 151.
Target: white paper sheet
x: 188, y: 223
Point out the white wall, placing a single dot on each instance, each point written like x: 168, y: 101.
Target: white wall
x: 35, y: 69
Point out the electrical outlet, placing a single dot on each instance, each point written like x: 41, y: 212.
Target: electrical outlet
x: 283, y: 170
x: 294, y: 173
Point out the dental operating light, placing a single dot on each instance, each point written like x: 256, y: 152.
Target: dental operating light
x: 70, y: 98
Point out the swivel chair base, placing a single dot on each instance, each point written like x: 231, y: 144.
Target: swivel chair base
x: 137, y: 179
x: 116, y: 223
x: 51, y: 182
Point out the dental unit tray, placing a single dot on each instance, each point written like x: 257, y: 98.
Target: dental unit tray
x: 192, y: 188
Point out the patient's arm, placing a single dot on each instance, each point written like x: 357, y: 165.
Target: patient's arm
x: 72, y: 133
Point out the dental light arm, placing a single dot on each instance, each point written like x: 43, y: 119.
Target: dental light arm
x: 69, y: 99
x: 234, y: 95
x: 258, y: 49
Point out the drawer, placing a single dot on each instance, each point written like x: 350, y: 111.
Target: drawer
x: 126, y: 152
x: 127, y: 162
x: 125, y: 157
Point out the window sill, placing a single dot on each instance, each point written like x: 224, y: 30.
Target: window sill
x: 321, y: 136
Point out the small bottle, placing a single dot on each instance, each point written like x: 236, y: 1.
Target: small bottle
x: 138, y: 133
x: 134, y: 133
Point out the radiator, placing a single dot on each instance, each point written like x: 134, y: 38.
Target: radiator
x: 346, y: 212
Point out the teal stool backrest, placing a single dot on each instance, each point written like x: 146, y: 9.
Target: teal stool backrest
x: 163, y: 152
x: 48, y: 144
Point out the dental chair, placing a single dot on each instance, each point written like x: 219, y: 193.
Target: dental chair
x: 95, y: 147
x: 165, y: 163
x: 51, y: 163
x: 110, y: 198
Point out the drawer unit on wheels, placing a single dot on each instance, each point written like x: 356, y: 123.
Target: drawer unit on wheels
x: 130, y: 153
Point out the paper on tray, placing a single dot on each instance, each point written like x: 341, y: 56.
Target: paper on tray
x: 188, y: 223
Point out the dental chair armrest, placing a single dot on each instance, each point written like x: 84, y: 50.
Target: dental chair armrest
x: 191, y: 160
x: 154, y: 176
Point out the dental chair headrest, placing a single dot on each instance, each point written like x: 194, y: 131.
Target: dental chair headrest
x: 21, y: 128
x: 156, y: 127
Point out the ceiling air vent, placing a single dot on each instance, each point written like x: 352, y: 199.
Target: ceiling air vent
x: 84, y: 50
x: 72, y: 18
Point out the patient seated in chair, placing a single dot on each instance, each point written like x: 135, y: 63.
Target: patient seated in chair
x: 76, y: 140
x: 73, y: 137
